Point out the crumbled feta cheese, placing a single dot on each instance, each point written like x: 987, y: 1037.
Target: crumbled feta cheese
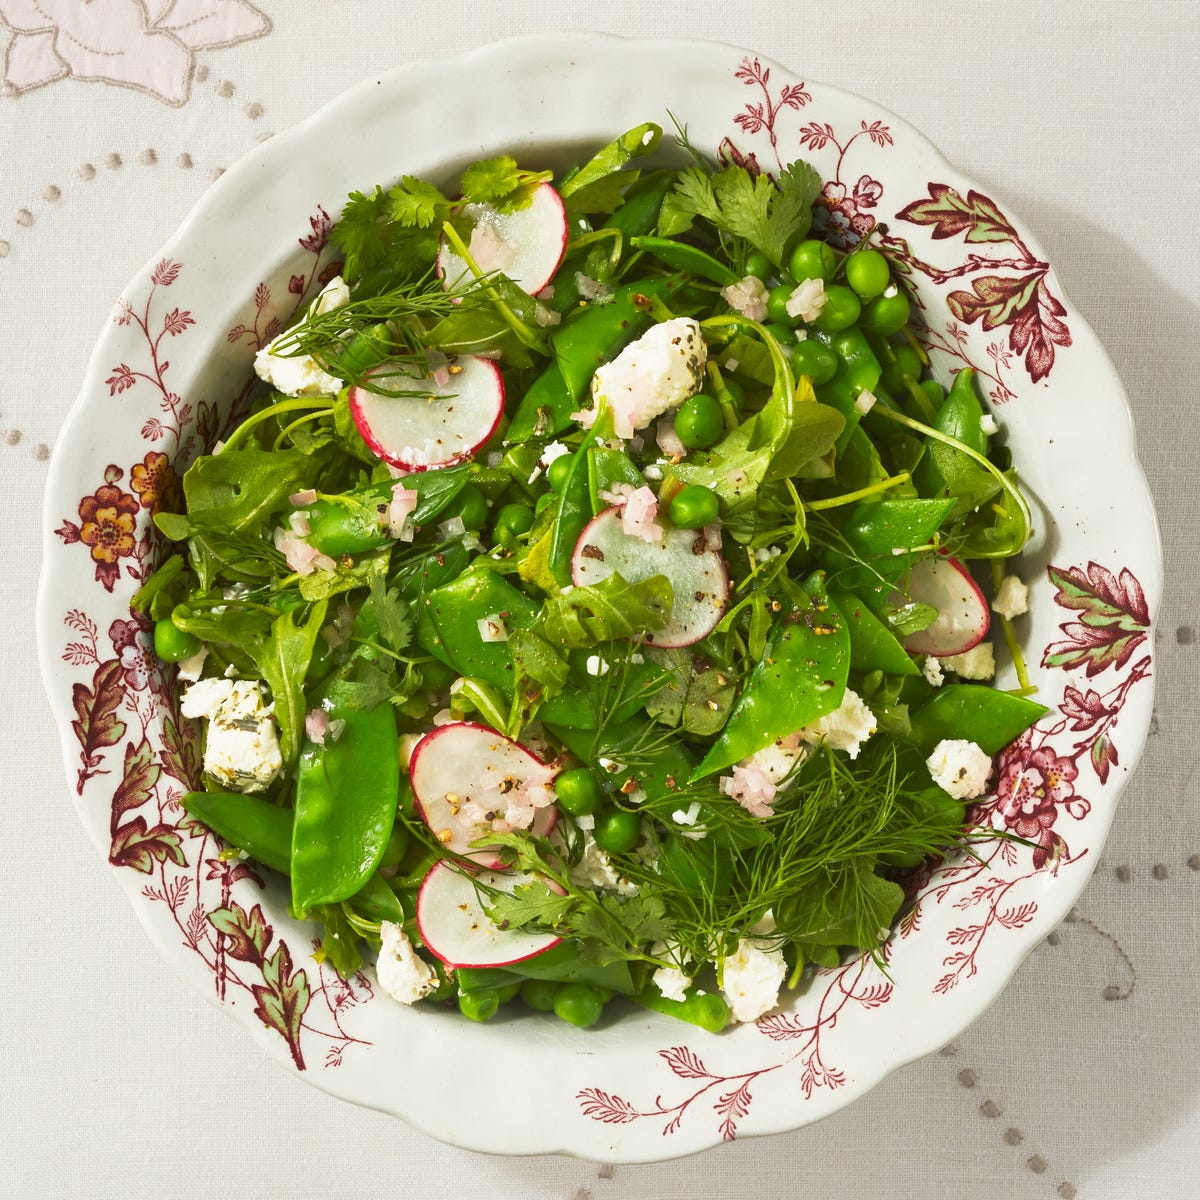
x: 748, y: 297
x: 595, y: 870
x: 751, y: 979
x: 652, y: 473
x: 807, y: 300
x: 190, y: 667
x: 687, y: 816
x: 766, y: 553
x: 651, y: 375
x: 672, y: 982
x: 976, y: 663
x: 846, y: 728
x: 401, y: 974
x: 596, y: 665
x: 299, y: 375
x: 242, y: 748
x: 931, y: 668
x: 987, y: 424
x: 1012, y: 598
x: 959, y: 767
x: 865, y: 401
x: 553, y: 451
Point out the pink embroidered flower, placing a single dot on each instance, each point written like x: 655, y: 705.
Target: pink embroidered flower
x: 142, y: 44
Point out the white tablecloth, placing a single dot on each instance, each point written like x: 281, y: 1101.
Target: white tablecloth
x: 1081, y: 1081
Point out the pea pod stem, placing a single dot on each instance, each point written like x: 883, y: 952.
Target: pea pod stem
x: 318, y: 405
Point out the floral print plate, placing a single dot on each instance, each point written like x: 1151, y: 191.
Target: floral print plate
x: 173, y: 365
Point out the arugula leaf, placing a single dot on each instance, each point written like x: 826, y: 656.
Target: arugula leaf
x: 238, y: 489
x: 695, y: 700
x: 283, y: 661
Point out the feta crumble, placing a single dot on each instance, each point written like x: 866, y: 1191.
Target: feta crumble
x: 242, y: 750
x: 846, y: 728
x: 959, y: 767
x: 751, y: 979
x: 300, y: 375
x: 401, y: 974
x: 1012, y: 598
x: 652, y: 375
x: 672, y: 982
x: 931, y: 668
x: 596, y: 665
x: 595, y: 870
x: 977, y: 663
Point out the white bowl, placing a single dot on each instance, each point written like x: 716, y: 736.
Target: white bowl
x: 177, y: 352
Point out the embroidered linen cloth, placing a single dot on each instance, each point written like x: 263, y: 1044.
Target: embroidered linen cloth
x: 115, y: 116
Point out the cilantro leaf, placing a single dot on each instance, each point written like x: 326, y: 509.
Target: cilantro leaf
x: 765, y: 212
x: 360, y: 231
x: 391, y: 614
x: 491, y: 179
x: 529, y: 904
x: 616, y: 926
x: 415, y: 202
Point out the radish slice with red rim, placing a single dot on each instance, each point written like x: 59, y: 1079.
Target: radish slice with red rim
x: 462, y: 772
x: 526, y: 244
x: 457, y: 410
x: 699, y: 580
x: 963, y: 618
x: 456, y: 928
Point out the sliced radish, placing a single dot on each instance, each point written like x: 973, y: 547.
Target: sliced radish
x: 685, y: 556
x: 963, y: 618
x: 460, y: 405
x: 526, y: 244
x: 455, y: 927
x: 461, y: 772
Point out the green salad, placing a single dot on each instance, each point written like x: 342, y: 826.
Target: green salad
x: 595, y: 602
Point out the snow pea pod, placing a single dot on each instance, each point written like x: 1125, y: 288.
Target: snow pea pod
x: 871, y: 535
x: 709, y: 1010
x: 590, y: 337
x: 355, y: 521
x: 606, y: 469
x: 801, y: 677
x: 643, y: 202
x: 264, y: 831
x: 574, y: 507
x: 448, y: 625
x: 982, y: 715
x: 960, y: 416
x: 681, y: 256
x: 858, y: 371
x: 563, y: 963
x: 873, y: 646
x: 346, y: 796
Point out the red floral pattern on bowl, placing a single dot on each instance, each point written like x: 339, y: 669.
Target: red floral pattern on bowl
x: 171, y: 372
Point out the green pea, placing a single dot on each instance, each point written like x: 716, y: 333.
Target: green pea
x: 867, y: 273
x: 840, y: 310
x: 479, y: 1006
x: 887, y: 313
x: 578, y: 1004
x: 578, y: 792
x: 815, y: 360
x: 777, y: 302
x: 813, y: 259
x: 908, y: 362
x: 470, y: 507
x: 694, y: 506
x: 558, y: 471
x: 511, y: 522
x: 699, y: 422
x: 759, y: 265
x: 618, y: 831
x: 785, y: 335
x: 540, y: 994
x: 171, y: 643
